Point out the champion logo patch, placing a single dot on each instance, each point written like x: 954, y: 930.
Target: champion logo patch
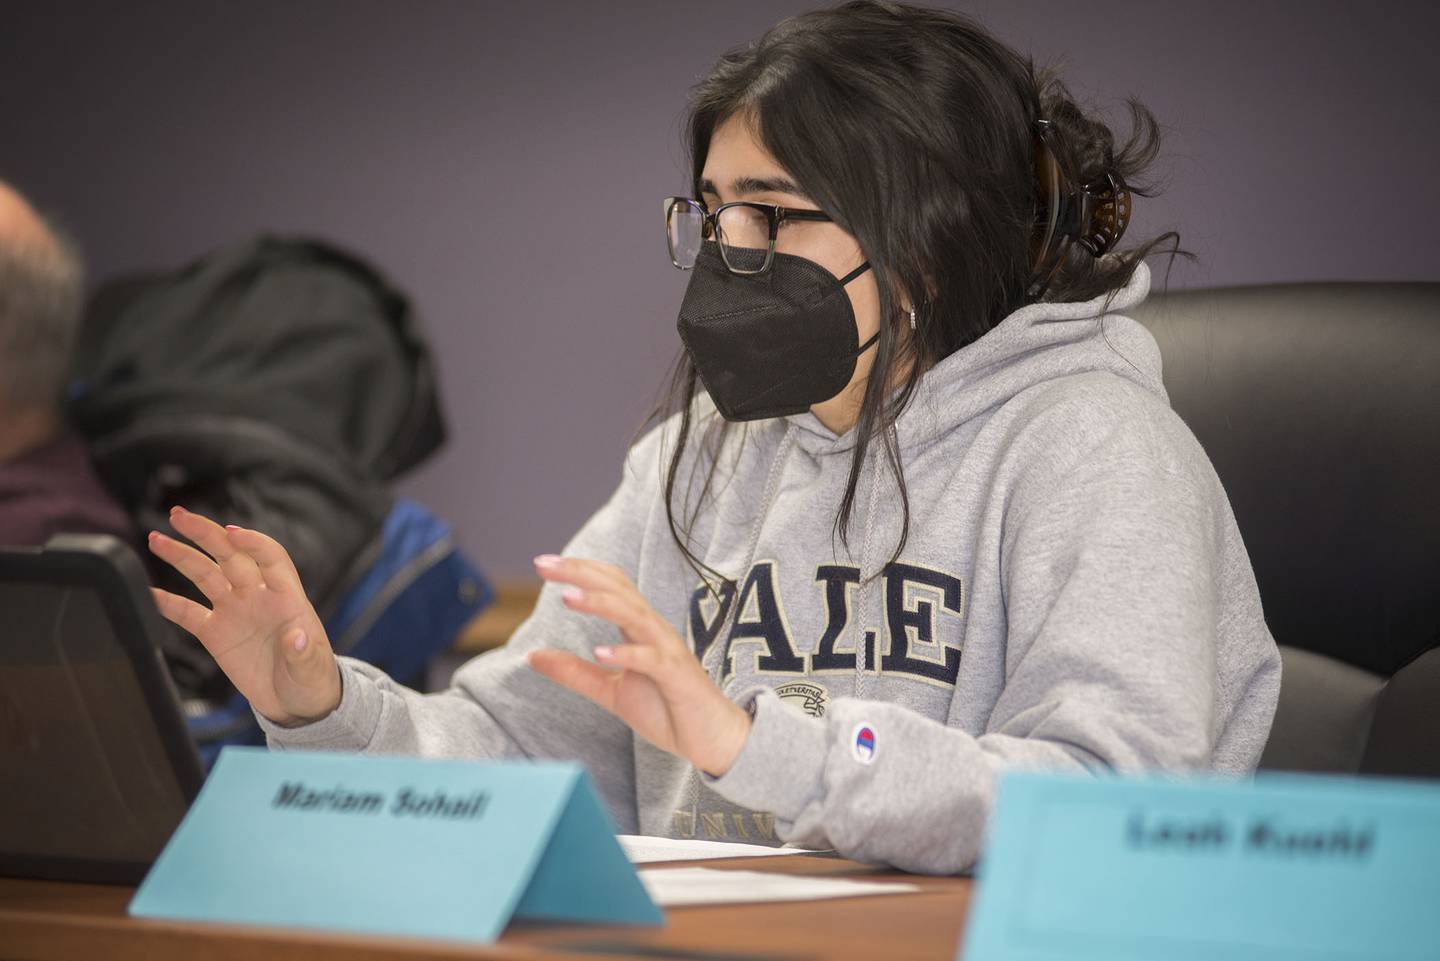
x: 863, y: 743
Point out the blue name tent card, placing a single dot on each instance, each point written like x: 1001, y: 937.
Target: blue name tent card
x: 401, y: 846
x: 1284, y: 868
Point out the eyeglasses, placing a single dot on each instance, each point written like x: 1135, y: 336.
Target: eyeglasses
x: 744, y: 230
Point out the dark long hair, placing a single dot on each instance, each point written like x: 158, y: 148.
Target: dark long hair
x: 914, y: 129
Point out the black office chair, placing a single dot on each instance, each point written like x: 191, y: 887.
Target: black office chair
x: 1319, y: 405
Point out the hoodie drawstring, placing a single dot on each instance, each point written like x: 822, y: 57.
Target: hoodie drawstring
x: 861, y: 635
x: 772, y: 483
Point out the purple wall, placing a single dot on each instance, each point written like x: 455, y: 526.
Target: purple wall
x: 504, y: 163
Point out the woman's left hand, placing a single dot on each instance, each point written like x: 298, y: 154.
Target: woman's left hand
x: 653, y: 683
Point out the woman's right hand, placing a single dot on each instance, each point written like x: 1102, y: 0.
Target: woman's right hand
x: 260, y: 628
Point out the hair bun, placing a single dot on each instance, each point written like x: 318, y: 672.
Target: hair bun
x: 1093, y: 183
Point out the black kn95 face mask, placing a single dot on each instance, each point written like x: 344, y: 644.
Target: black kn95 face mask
x: 770, y: 344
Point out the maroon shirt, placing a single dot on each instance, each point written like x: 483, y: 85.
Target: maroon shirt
x: 52, y: 489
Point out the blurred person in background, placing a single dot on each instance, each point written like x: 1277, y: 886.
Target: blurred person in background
x: 47, y: 485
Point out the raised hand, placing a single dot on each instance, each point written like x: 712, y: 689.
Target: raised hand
x: 653, y: 683
x: 260, y: 627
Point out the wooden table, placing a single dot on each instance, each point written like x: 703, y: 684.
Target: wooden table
x: 51, y: 921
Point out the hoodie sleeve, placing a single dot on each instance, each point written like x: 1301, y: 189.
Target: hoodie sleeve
x: 1108, y: 572
x: 496, y: 706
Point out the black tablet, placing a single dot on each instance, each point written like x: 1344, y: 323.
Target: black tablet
x: 96, y: 764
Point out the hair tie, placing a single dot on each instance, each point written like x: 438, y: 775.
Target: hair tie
x: 1102, y: 214
x: 1094, y: 216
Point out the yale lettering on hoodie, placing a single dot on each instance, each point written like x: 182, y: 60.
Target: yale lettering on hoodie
x: 923, y: 608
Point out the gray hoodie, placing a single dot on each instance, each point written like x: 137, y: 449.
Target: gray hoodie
x: 1074, y: 595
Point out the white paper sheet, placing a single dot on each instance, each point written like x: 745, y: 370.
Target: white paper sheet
x: 643, y: 850
x: 678, y: 887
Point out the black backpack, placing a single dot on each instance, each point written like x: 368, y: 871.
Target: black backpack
x: 277, y: 384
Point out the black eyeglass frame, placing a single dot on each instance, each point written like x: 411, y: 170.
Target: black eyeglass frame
x: 775, y: 215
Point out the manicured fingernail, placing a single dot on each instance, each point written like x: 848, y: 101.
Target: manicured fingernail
x: 177, y: 509
x: 548, y: 561
x: 604, y: 653
x: 300, y: 641
x: 154, y: 536
x: 231, y: 527
x: 573, y: 594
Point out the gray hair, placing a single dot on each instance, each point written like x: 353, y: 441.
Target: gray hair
x: 41, y: 296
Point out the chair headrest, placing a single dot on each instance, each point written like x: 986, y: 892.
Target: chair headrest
x: 1319, y: 405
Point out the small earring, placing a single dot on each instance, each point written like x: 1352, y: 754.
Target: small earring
x: 912, y: 318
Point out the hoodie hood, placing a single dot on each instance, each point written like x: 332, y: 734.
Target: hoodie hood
x: 1036, y: 343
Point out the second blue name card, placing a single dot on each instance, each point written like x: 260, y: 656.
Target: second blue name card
x: 1284, y: 868
x: 439, y: 849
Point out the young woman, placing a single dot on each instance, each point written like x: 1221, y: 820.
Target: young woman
x: 930, y: 518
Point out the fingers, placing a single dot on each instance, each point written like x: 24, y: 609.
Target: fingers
x: 633, y: 657
x: 201, y: 571
x: 607, y: 592
x: 630, y: 612
x: 246, y: 557
x: 594, y: 680
x: 272, y: 560
x: 581, y: 572
x: 181, y: 611
x: 235, y: 564
x: 577, y: 674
